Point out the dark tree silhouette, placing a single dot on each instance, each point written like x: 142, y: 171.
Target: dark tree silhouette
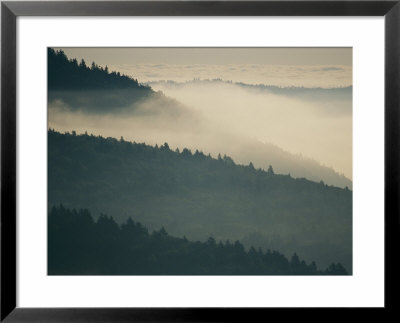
x: 66, y: 74
x: 78, y: 245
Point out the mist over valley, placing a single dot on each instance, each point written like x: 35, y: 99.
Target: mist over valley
x: 297, y: 135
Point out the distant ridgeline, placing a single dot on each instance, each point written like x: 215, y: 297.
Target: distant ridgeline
x: 197, y: 196
x: 78, y: 245
x: 311, y: 93
x: 92, y: 89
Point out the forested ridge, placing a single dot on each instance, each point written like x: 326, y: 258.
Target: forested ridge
x: 195, y: 195
x: 91, y: 89
x: 69, y: 74
x: 79, y: 245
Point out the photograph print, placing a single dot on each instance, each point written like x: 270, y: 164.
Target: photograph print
x: 199, y: 161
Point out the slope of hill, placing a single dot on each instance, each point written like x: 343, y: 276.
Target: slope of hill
x: 91, y: 89
x: 68, y: 74
x: 262, y: 155
x: 195, y: 195
x: 78, y: 245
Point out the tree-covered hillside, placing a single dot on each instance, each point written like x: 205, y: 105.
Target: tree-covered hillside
x: 91, y: 89
x: 194, y: 195
x: 69, y: 74
x: 78, y: 245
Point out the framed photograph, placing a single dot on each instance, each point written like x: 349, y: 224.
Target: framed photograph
x: 198, y: 160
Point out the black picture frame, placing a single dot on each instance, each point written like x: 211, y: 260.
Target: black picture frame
x: 10, y: 10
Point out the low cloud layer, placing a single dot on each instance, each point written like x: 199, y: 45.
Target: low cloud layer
x: 326, y: 76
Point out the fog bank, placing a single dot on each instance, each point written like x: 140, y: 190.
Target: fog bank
x: 258, y: 127
x: 319, y: 129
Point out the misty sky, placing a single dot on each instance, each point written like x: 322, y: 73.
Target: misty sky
x: 273, y: 56
x: 308, y: 67
x: 321, y: 130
